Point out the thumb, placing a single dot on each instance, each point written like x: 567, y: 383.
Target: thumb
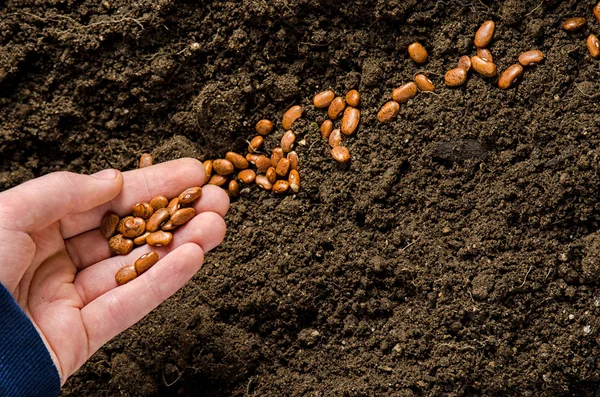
x: 40, y: 202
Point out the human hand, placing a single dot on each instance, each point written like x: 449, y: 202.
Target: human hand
x: 58, y: 266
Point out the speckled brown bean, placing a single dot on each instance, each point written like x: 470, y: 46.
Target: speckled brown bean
x: 251, y: 158
x: 465, y: 63
x: 293, y: 114
x: 208, y: 168
x: 336, y: 108
x: 335, y: 138
x: 281, y: 187
x: 323, y: 99
x: 484, y: 53
x: 167, y: 227
x: 143, y: 210
x: 294, y: 181
x: 326, y: 129
x: 271, y: 175
x: 125, y: 274
x: 276, y: 156
x: 247, y: 176
x: 223, y: 167
x: 484, y: 34
x: 140, y: 240
x: 108, y: 225
x: 190, y: 195
x: 218, y: 180
x: 353, y: 98
x: 255, y: 144
x: 405, y: 92
x: 159, y: 202
x: 293, y: 156
x: 597, y: 12
x: 145, y: 160
x: 529, y: 58
x: 234, y: 188
x: 174, y: 205
x: 287, y: 141
x: 145, y: 262
x: 510, y: 76
x: 388, y: 112
x: 182, y: 216
x: 574, y: 24
x: 424, y: 83
x: 132, y: 226
x: 283, y: 167
x: 157, y: 219
x: 417, y: 53
x: 350, y: 121
x: 263, y: 163
x: 483, y: 67
x: 159, y: 238
x: 120, y: 245
x: 593, y: 46
x: 238, y: 161
x: 455, y: 77
x: 264, y: 127
x: 340, y: 154
x: 263, y: 182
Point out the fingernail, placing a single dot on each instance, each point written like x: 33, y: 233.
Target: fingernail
x: 106, y: 174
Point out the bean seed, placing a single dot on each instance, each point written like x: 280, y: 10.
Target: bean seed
x: 145, y: 160
x: 159, y: 238
x: 264, y: 127
x: 251, y: 157
x: 283, y: 167
x: 336, y: 108
x: 294, y: 181
x: 234, y: 188
x: 271, y: 175
x: 190, y: 194
x: 335, y: 138
x: 424, y: 83
x: 293, y: 114
x: 350, y: 120
x: 276, y: 156
x: 510, y: 76
x: 125, y: 274
x: 208, y: 168
x: 281, y: 187
x: 174, y: 205
x: 326, y: 129
x: 120, y: 245
x: 157, y: 219
x: 287, y: 141
x: 223, y: 167
x: 455, y: 77
x: 529, y: 58
x: 158, y: 202
x: 218, y: 180
x: 108, y: 225
x: 263, y: 163
x: 247, y: 176
x: 142, y: 210
x: 341, y: 154
x: 132, y: 227
x: 573, y: 24
x: 167, y: 227
x: 483, y: 67
x: 293, y: 156
x: 323, y: 99
x: 597, y: 12
x: 484, y: 34
x: 238, y: 161
x: 484, y: 53
x: 464, y: 63
x: 182, y: 216
x: 593, y: 45
x: 263, y: 182
x: 405, y: 92
x: 388, y: 112
x: 141, y: 240
x: 255, y: 144
x: 145, y: 262
x: 353, y: 98
x: 418, y: 53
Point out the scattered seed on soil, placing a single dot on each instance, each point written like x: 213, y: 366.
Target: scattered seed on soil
x: 529, y: 58
x: 223, y: 167
x: 283, y: 167
x: 159, y: 202
x: 234, y: 188
x: 247, y: 176
x: 263, y: 182
x: 276, y: 156
x: 326, y: 129
x: 455, y: 77
x: 143, y: 210
x: 293, y: 156
x: 353, y: 98
x: 417, y: 53
x: 281, y: 187
x: 145, y: 262
x: 597, y: 12
x: 264, y: 127
x: 484, y: 53
x: 255, y: 144
x: 483, y: 67
x: 574, y: 24
x: 145, y: 160
x: 287, y: 141
x: 294, y: 181
x: 341, y: 154
x: 335, y: 138
x: 424, y: 83
x: 336, y: 108
x: 271, y: 175
x: 108, y: 225
x: 125, y: 274
x: 159, y: 238
x: 388, y: 112
x: 157, y: 219
x: 120, y: 245
x: 293, y: 114
x: 218, y: 180
x: 263, y: 162
x: 131, y: 226
x: 191, y: 194
x: 465, y: 63
x: 208, y: 168
x: 484, y: 34
x: 239, y: 162
x: 350, y: 121
x: 593, y: 45
x: 510, y: 76
x: 323, y: 99
x: 405, y: 92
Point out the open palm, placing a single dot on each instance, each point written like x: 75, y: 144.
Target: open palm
x: 58, y: 266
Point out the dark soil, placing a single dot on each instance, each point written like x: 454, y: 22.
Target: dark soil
x: 457, y: 254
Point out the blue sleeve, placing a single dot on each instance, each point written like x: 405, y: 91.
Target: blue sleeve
x: 26, y: 368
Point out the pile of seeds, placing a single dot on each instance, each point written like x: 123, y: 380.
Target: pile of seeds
x: 150, y: 223
x: 577, y: 23
x: 349, y: 124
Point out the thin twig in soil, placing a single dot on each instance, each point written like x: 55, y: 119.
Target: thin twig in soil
x: 535, y: 9
x: 525, y: 278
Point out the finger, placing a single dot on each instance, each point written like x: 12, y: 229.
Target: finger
x: 88, y: 248
x: 124, y: 306
x: 167, y: 179
x: 206, y: 231
x: 36, y: 204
